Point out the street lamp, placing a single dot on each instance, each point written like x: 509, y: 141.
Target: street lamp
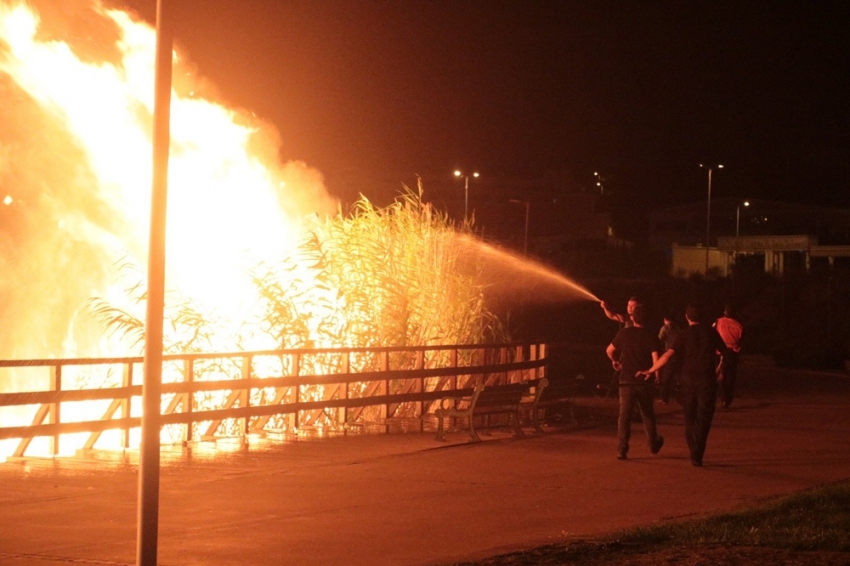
x: 708, y: 213
x: 465, y: 178
x: 738, y: 217
x: 599, y: 181
x: 147, y: 525
x: 527, y: 209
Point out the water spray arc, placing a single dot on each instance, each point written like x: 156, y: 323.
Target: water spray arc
x: 505, y: 270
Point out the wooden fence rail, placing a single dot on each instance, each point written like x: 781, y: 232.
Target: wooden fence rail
x: 340, y: 396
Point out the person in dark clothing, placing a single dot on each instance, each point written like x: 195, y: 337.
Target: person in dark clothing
x: 667, y: 377
x: 696, y: 350
x: 634, y: 348
x: 625, y: 321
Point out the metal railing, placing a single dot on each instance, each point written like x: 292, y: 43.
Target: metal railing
x: 269, y: 391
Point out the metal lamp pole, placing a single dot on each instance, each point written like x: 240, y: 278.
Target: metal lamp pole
x: 465, y: 191
x: 466, y: 197
x: 738, y: 217
x: 527, y: 209
x: 149, y: 457
x: 708, y: 215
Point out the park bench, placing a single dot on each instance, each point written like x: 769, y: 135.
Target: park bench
x: 552, y: 393
x: 486, y: 402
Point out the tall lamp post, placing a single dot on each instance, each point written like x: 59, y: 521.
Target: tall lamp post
x: 708, y: 213
x: 147, y: 535
x: 738, y: 217
x: 527, y: 210
x: 465, y: 178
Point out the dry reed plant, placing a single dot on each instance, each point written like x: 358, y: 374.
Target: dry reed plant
x: 377, y: 277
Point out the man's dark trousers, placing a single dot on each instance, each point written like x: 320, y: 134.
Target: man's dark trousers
x: 643, y: 396
x: 698, y: 400
x: 667, y: 382
x: 730, y: 376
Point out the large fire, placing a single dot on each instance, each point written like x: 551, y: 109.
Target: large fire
x: 77, y: 163
x: 75, y: 171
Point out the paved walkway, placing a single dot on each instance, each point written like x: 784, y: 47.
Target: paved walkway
x: 408, y: 500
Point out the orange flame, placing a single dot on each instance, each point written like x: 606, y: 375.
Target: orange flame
x: 231, y: 203
x: 75, y: 172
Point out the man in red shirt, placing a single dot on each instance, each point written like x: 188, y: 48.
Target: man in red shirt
x: 730, y: 329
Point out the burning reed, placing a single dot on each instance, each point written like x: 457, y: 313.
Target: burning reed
x: 375, y: 277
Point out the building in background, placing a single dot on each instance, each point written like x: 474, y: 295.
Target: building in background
x: 775, y: 236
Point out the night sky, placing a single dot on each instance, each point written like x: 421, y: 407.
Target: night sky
x: 642, y: 92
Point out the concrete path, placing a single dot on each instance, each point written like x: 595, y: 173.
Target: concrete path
x: 408, y: 500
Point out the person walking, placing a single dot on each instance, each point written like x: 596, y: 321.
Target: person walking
x: 666, y: 376
x: 634, y: 348
x: 625, y: 321
x: 696, y: 350
x: 730, y: 330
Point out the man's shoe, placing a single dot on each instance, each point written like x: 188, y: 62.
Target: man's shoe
x: 622, y: 454
x: 695, y: 462
x: 659, y: 442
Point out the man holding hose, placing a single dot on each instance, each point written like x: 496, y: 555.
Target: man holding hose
x: 635, y: 348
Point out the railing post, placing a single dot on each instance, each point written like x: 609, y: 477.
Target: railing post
x: 482, y: 360
x: 296, y: 391
x: 343, y: 389
x: 532, y: 357
x: 189, y: 399
x: 503, y: 359
x: 519, y: 357
x: 385, y: 389
x: 245, y: 397
x: 453, y: 363
x: 420, y: 386
x: 126, y: 381
x: 541, y: 351
x: 54, y: 415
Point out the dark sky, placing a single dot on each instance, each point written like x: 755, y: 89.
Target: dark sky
x: 640, y: 91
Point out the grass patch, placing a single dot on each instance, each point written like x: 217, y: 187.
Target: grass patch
x: 818, y: 519
x: 812, y: 520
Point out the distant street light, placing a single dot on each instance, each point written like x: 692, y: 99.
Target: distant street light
x: 527, y: 209
x: 738, y: 217
x: 708, y: 213
x: 599, y: 181
x: 465, y: 178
